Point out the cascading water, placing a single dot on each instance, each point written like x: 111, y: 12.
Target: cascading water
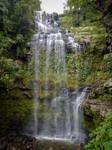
x: 77, y: 113
x: 60, y: 116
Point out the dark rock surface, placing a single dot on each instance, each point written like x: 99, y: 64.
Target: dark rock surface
x: 23, y: 142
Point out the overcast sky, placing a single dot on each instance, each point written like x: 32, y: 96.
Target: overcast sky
x: 53, y: 5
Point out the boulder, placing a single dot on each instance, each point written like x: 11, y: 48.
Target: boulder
x: 108, y: 83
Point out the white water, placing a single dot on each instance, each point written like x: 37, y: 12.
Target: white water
x: 61, y: 115
x: 76, y: 107
x: 35, y: 84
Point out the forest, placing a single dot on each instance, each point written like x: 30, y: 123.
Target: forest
x: 26, y: 76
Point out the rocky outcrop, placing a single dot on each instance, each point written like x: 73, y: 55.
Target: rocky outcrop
x: 98, y: 106
x: 100, y: 99
x: 94, y: 112
x: 108, y: 83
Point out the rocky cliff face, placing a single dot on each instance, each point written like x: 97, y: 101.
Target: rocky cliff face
x: 98, y: 104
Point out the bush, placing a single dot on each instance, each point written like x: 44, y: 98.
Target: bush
x: 101, y: 138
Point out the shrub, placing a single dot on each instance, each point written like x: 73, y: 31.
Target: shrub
x: 101, y: 138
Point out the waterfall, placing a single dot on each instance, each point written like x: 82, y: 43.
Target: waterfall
x: 76, y: 107
x: 35, y: 84
x: 60, y: 116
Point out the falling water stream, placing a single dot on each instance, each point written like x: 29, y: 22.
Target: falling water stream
x: 61, y: 119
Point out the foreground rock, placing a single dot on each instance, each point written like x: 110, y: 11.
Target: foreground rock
x: 30, y: 143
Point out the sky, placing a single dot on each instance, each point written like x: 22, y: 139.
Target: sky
x: 53, y: 5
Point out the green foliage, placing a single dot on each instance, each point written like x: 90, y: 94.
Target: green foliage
x: 5, y: 43
x: 6, y: 71
x: 79, y: 68
x: 14, y: 114
x: 106, y: 97
x: 66, y: 22
x: 88, y: 66
x: 91, y: 23
x: 101, y: 138
x: 108, y: 63
x: 16, y: 28
x: 71, y: 63
x: 16, y: 25
x: 83, y: 12
x: 92, y: 119
x: 83, y: 66
x: 75, y: 3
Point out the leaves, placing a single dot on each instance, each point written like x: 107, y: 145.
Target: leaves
x: 16, y: 26
x: 108, y: 145
x: 102, y: 136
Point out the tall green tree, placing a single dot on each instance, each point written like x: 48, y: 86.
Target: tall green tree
x: 16, y: 29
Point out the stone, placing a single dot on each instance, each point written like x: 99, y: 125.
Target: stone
x: 34, y: 144
x: 98, y: 106
x: 108, y: 84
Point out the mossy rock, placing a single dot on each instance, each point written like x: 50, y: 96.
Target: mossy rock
x: 91, y: 119
x: 15, y: 108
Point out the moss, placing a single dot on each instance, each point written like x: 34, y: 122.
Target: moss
x: 105, y: 96
x: 93, y: 34
x: 91, y: 119
x: 108, y: 63
x: 14, y: 114
x: 101, y: 93
x: 71, y: 83
x: 15, y: 109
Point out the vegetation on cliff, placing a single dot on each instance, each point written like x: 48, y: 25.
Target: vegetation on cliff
x: 90, y: 30
x: 101, y: 138
x: 91, y: 23
x: 16, y: 28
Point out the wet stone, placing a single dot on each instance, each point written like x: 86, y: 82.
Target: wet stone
x: 24, y: 142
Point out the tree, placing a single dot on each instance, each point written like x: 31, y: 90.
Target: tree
x: 16, y: 29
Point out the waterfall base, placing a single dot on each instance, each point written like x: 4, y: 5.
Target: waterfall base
x: 23, y: 142
x: 76, y: 138
x: 57, y: 128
